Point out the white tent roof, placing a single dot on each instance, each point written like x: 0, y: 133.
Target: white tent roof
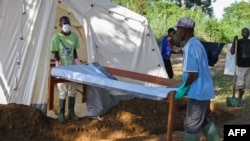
x: 110, y: 34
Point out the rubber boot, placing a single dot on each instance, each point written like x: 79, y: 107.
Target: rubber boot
x: 61, y: 110
x: 210, y: 132
x: 241, y: 93
x: 71, y: 106
x: 192, y: 137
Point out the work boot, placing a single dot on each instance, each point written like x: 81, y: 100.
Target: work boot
x: 71, y: 106
x: 61, y: 110
x: 192, y: 137
x: 210, y: 132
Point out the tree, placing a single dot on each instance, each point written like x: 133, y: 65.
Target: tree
x: 235, y: 18
x: 203, y: 5
x: 140, y: 5
x: 162, y: 15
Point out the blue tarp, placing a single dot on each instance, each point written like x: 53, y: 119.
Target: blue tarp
x: 213, y: 51
x: 100, y: 83
x: 91, y: 75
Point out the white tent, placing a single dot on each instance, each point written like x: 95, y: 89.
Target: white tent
x: 110, y: 35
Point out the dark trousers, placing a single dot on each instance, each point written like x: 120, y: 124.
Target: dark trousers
x: 168, y: 66
x: 197, y: 115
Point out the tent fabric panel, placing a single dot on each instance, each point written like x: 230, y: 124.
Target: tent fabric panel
x: 32, y: 82
x: 42, y: 50
x: 9, y: 46
x: 127, y: 40
x: 27, y: 83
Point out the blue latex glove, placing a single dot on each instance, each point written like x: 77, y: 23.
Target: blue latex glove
x: 181, y: 91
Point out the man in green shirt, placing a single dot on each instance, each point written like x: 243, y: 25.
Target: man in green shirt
x: 63, y: 46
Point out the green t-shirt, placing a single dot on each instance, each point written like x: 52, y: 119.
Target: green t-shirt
x: 65, y: 45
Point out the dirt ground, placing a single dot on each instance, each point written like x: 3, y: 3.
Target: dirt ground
x: 133, y: 120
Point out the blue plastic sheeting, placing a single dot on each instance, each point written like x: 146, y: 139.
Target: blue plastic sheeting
x: 95, y: 75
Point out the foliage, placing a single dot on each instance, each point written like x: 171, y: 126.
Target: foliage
x: 203, y: 5
x: 163, y: 15
x: 235, y: 18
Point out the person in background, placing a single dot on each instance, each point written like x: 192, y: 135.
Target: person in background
x: 167, y: 44
x: 242, y: 62
x: 197, y: 84
x: 63, y: 46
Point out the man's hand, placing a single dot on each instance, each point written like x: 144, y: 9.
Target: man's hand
x: 57, y: 63
x: 181, y: 91
x: 235, y: 38
x: 77, y: 61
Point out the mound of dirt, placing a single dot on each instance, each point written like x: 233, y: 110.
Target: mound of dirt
x: 129, y: 119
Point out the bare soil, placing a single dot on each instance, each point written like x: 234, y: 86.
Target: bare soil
x: 127, y: 121
x: 133, y: 120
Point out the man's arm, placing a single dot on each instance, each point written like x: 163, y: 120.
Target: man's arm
x: 184, y: 87
x: 164, y: 47
x: 75, y: 54
x: 76, y: 60
x: 192, y: 76
x: 174, y: 43
x: 56, y: 55
x: 232, y: 50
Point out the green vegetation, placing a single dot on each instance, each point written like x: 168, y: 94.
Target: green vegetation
x: 162, y: 15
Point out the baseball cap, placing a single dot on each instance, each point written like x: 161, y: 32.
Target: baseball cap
x: 186, y: 22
